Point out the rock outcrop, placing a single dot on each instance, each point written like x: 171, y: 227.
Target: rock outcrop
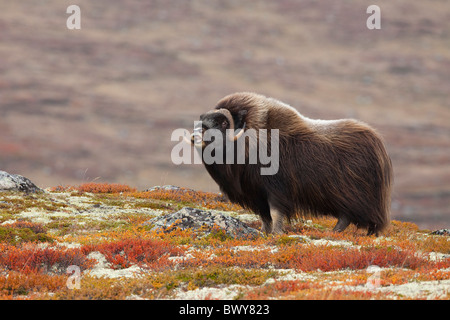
x: 203, y: 221
x: 15, y: 182
x: 441, y: 232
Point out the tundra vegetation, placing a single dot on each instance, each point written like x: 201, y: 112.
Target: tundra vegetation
x: 99, y: 228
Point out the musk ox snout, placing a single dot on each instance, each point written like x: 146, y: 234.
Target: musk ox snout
x: 197, y: 137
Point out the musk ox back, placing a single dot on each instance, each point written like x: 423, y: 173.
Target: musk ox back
x: 338, y: 168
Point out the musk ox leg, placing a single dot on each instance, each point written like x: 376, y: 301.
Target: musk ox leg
x: 342, y: 224
x: 277, y: 221
x: 266, y: 225
x: 373, y: 231
x: 263, y: 210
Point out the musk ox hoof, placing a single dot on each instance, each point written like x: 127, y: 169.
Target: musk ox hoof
x: 342, y: 224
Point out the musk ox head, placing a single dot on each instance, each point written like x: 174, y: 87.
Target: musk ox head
x: 217, y: 122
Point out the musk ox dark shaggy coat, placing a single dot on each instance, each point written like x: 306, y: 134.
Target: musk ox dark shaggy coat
x: 338, y: 168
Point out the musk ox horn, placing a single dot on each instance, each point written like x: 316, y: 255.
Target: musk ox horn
x: 232, y: 136
x: 240, y: 133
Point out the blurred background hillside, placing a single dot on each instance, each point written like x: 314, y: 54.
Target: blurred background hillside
x: 100, y: 103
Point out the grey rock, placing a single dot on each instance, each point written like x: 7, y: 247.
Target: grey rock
x: 441, y: 232
x: 167, y: 188
x: 202, y: 221
x: 15, y: 182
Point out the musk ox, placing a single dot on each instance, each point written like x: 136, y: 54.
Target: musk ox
x: 338, y: 168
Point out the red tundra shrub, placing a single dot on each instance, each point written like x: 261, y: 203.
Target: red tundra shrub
x: 124, y: 253
x: 36, y: 259
x: 328, y: 258
x: 94, y: 187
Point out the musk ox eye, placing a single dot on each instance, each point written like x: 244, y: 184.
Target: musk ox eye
x: 224, y: 124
